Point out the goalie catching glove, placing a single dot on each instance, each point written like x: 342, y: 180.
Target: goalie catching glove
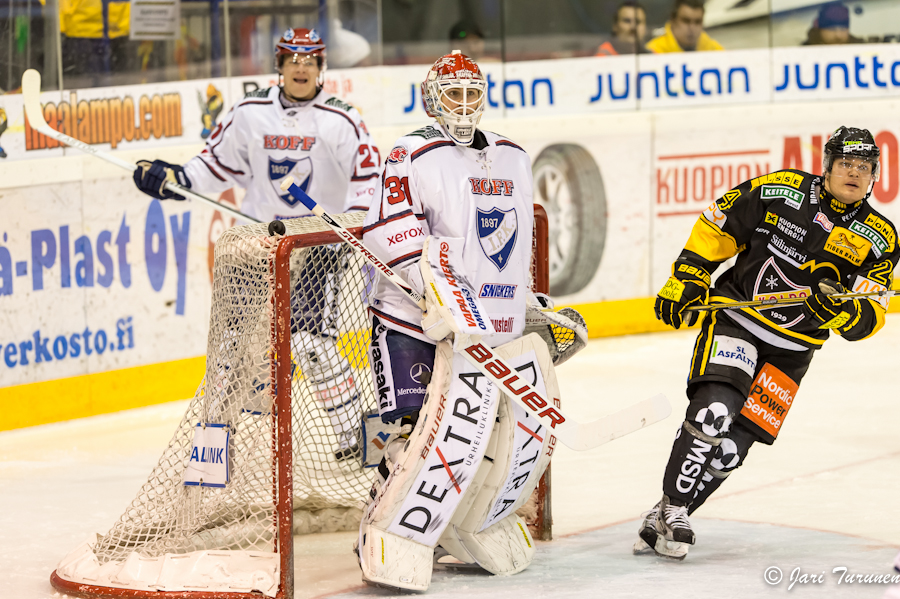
x: 687, y: 286
x: 564, y: 332
x: 151, y: 178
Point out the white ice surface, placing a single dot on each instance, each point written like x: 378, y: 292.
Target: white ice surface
x: 825, y: 495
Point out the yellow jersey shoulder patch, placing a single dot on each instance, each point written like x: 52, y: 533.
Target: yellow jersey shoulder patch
x: 884, y: 228
x: 786, y: 178
x: 848, y: 245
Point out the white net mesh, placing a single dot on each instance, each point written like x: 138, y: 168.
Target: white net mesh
x: 331, y: 390
x: 226, y: 536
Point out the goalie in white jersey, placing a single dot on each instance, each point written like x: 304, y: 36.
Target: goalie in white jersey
x: 467, y: 457
x: 294, y: 129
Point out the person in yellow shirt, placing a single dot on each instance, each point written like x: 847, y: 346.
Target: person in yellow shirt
x: 95, y: 38
x: 684, y: 31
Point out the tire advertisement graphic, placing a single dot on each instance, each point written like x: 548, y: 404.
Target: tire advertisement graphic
x: 568, y: 184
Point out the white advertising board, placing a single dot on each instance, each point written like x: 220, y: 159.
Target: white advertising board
x: 145, y: 116
x: 623, y: 187
x: 95, y: 277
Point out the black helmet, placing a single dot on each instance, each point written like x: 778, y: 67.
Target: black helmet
x: 850, y: 141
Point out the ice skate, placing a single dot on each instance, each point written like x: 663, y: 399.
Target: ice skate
x: 647, y: 534
x: 666, y: 531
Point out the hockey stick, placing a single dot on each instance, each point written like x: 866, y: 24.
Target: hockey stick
x: 578, y: 436
x: 31, y: 96
x: 786, y: 301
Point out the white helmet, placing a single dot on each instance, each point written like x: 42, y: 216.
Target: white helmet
x: 454, y: 94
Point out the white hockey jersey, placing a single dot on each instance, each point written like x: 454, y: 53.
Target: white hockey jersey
x: 431, y: 186
x: 322, y: 143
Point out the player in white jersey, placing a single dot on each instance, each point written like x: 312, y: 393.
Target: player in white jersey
x: 466, y: 457
x: 449, y: 179
x: 293, y: 129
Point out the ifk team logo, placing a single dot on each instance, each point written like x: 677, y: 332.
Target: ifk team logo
x: 300, y: 170
x: 497, y: 233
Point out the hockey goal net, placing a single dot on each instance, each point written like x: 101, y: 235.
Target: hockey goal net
x: 285, y: 399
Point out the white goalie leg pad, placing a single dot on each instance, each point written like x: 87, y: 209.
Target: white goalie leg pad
x: 433, y: 472
x: 486, y: 530
x: 394, y: 562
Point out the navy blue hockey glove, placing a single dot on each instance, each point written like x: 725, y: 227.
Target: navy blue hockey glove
x: 827, y: 311
x: 151, y: 178
x: 687, y: 286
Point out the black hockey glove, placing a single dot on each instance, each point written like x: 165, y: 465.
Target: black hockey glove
x: 827, y: 311
x: 151, y: 178
x: 687, y: 286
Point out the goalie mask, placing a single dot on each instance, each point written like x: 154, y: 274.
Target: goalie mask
x: 296, y: 45
x: 850, y: 142
x: 454, y: 94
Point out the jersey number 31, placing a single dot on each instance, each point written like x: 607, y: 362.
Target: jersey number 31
x: 398, y: 190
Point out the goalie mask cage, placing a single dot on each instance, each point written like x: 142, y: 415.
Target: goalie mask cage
x: 296, y: 451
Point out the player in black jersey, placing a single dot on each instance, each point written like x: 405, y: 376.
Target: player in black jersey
x: 795, y: 235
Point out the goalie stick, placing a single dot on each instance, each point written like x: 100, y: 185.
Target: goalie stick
x: 31, y: 97
x: 787, y: 301
x: 577, y: 436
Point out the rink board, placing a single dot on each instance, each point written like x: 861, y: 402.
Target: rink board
x: 101, y: 284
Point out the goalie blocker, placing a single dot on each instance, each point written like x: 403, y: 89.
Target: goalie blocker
x: 472, y: 460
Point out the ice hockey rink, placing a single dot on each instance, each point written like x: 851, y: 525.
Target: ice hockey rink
x: 825, y: 496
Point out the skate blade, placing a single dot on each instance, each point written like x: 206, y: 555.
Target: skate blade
x: 651, y: 542
x: 671, y: 549
x: 642, y: 548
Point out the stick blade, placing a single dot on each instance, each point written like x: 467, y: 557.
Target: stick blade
x: 31, y: 96
x: 618, y: 424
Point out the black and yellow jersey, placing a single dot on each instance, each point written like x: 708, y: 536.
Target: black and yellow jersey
x: 788, y: 233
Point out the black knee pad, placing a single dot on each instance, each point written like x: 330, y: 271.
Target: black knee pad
x: 731, y: 451
x: 713, y: 408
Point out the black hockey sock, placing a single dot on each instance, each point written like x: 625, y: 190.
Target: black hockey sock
x: 688, y: 461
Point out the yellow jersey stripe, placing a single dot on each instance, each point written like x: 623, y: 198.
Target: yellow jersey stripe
x: 768, y: 323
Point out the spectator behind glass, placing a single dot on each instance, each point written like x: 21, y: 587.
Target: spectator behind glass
x: 629, y: 31
x: 468, y: 39
x: 684, y: 31
x: 832, y: 26
x: 94, y: 39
